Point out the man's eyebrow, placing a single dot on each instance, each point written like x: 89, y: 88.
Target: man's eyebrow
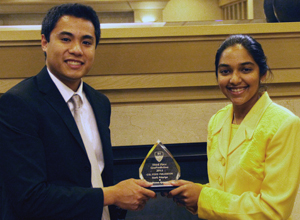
x: 65, y: 33
x: 88, y: 37
x: 71, y: 35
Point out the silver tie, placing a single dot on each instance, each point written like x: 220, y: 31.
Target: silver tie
x: 96, y: 174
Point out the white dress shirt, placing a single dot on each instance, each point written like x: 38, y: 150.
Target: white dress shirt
x: 87, y: 116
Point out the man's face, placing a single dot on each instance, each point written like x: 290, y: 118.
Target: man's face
x: 71, y: 49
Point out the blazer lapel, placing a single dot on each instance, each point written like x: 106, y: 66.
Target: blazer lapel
x: 238, y: 139
x: 223, y: 129
x: 54, y: 98
x: 224, y: 138
x: 250, y: 122
x: 226, y: 146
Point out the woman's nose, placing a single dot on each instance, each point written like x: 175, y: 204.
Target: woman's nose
x: 235, y: 78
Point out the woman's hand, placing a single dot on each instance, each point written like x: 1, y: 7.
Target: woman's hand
x: 187, y: 194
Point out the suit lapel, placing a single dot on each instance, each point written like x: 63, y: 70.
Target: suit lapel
x: 96, y: 105
x: 101, y: 109
x: 100, y: 116
x: 54, y: 98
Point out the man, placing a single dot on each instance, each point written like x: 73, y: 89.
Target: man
x: 51, y: 153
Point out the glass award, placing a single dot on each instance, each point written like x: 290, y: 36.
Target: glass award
x: 159, y: 167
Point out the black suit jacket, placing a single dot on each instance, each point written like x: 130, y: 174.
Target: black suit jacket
x: 45, y: 170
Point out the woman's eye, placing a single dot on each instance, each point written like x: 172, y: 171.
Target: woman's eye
x: 247, y: 70
x: 224, y: 72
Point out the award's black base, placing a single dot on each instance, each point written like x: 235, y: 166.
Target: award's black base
x: 161, y: 188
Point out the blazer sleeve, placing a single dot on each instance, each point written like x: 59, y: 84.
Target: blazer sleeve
x: 278, y: 189
x: 28, y: 193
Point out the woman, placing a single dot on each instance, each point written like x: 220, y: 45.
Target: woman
x: 252, y: 146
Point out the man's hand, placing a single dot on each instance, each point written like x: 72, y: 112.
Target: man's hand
x: 129, y: 194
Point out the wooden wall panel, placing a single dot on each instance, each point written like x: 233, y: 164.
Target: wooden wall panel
x: 156, y: 57
x: 158, y: 64
x: 21, y: 61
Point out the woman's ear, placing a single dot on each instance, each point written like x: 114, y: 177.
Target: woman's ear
x: 263, y: 78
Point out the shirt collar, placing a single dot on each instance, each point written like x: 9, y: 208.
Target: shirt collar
x: 64, y: 90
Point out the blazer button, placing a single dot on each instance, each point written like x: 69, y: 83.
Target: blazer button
x: 223, y: 162
x: 220, y: 180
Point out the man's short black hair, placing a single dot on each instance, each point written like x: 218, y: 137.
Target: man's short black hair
x: 71, y: 9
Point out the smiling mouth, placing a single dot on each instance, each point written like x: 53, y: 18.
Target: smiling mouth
x: 74, y: 63
x: 237, y: 89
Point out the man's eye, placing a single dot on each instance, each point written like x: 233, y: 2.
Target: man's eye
x: 65, y: 39
x: 87, y: 43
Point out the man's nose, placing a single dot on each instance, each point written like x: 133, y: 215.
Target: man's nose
x: 76, y: 49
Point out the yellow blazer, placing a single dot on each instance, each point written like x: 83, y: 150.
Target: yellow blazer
x: 256, y: 176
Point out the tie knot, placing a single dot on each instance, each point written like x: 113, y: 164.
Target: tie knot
x: 76, y: 101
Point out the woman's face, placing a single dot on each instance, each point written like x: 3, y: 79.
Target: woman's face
x: 238, y: 77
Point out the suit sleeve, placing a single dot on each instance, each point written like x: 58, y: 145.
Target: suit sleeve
x: 28, y: 193
x: 278, y: 188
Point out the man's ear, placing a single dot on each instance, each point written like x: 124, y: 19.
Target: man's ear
x: 44, y: 43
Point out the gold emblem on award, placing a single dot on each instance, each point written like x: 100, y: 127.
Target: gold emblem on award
x: 159, y: 167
